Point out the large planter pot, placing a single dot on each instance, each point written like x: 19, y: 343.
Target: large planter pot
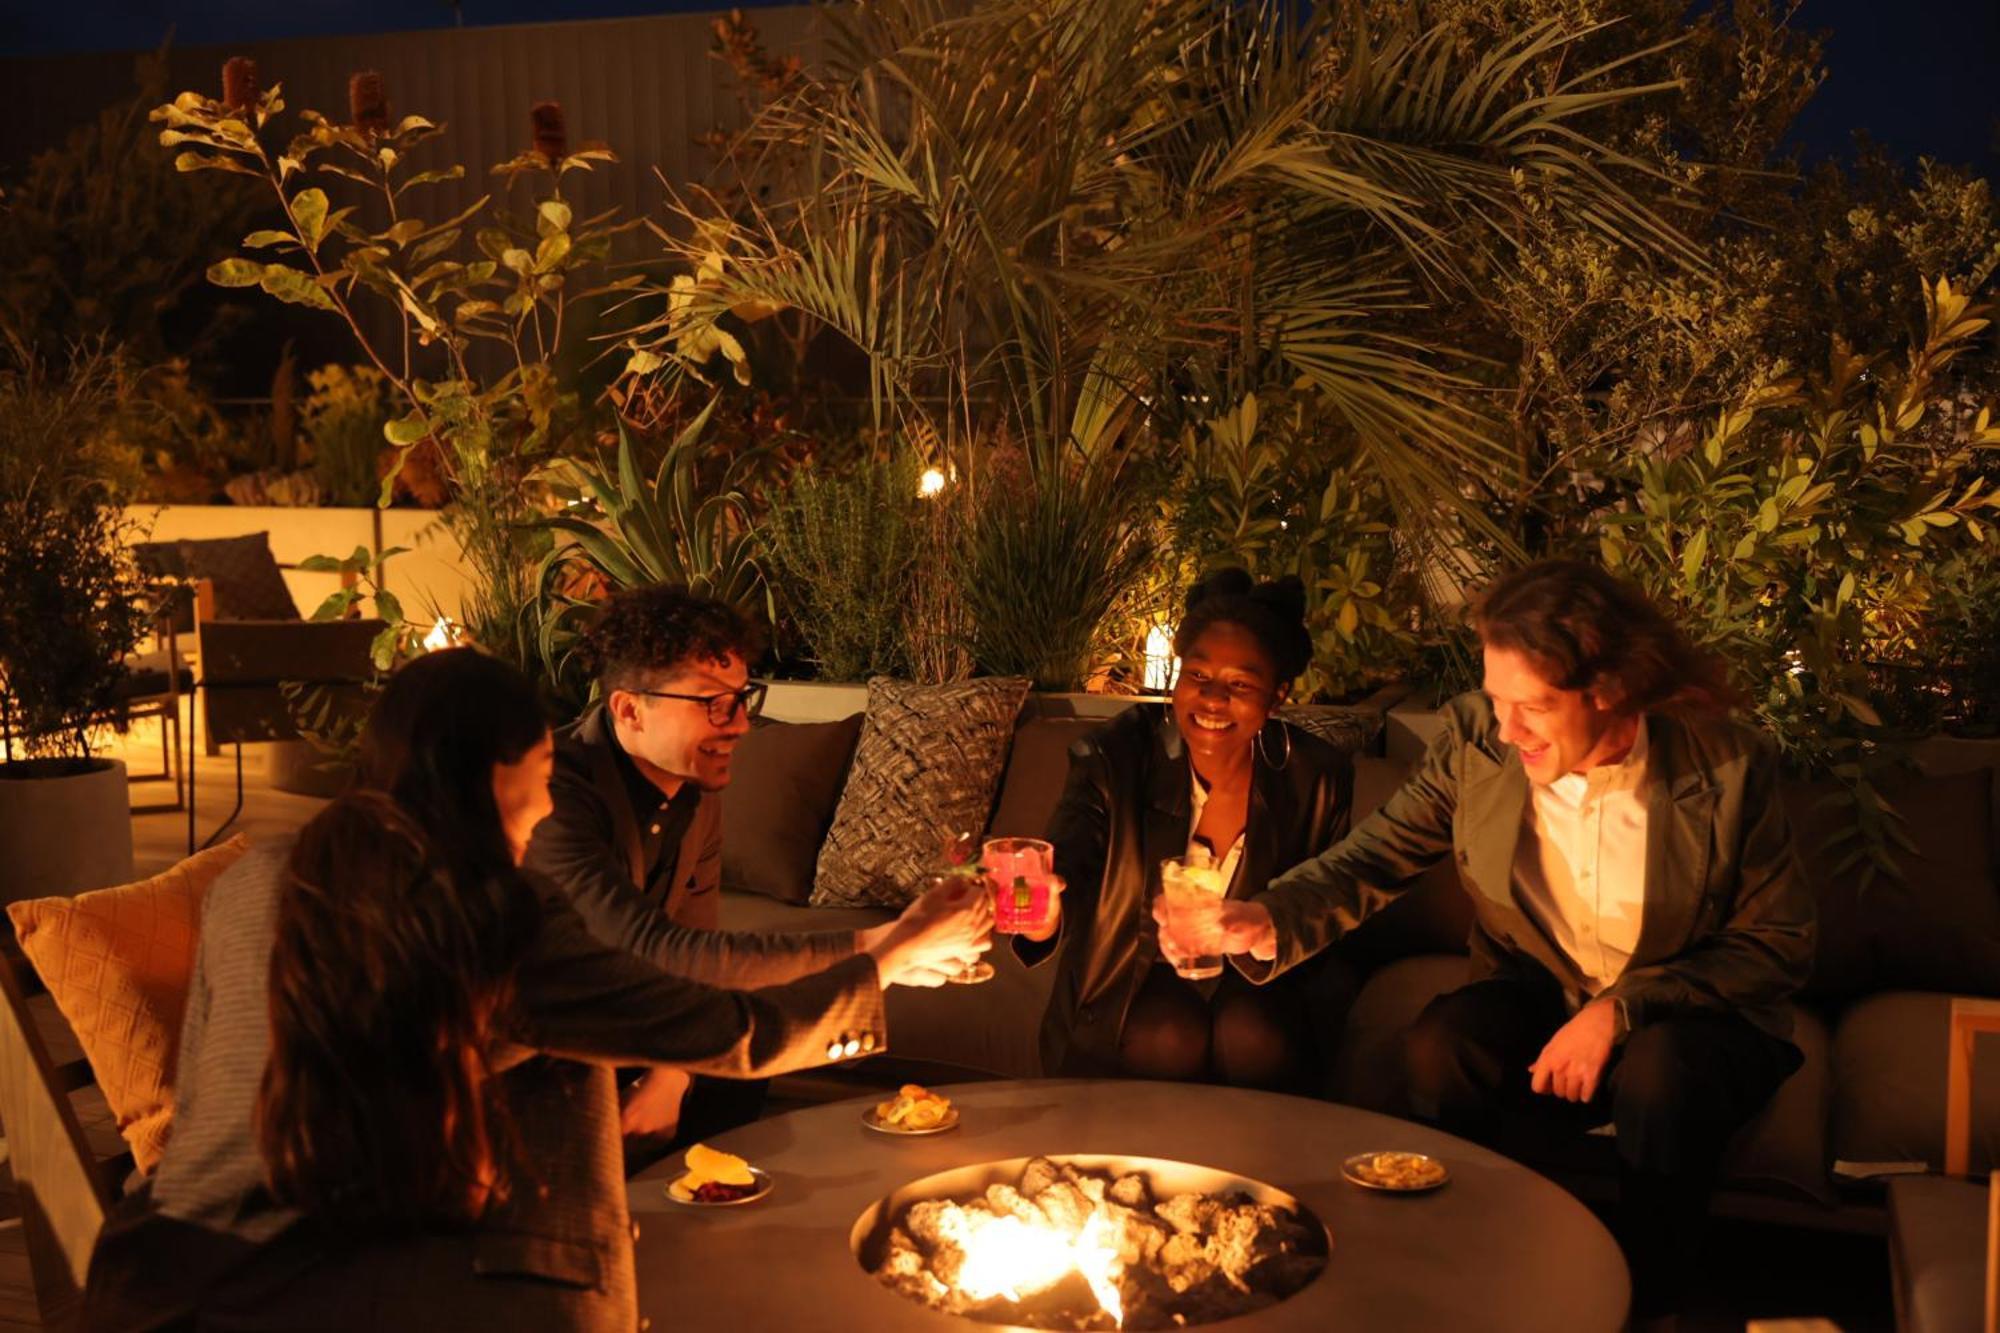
x: 65, y: 828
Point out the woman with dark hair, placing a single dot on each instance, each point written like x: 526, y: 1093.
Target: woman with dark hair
x: 1212, y: 776
x: 394, y: 1093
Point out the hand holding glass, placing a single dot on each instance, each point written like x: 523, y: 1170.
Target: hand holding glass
x: 1025, y: 886
x: 1193, y: 897
x: 958, y: 894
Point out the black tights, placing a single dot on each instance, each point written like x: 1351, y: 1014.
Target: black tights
x: 1243, y: 1035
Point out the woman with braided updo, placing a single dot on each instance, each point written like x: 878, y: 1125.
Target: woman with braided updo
x: 1213, y: 774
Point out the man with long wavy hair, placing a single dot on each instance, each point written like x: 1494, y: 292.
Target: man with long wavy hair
x: 1640, y: 917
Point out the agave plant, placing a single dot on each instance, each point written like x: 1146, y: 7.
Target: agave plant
x: 623, y: 530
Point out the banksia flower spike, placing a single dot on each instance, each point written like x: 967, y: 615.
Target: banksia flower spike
x: 367, y: 104
x: 551, y: 134
x: 239, y: 83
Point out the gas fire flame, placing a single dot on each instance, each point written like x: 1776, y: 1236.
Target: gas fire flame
x: 1005, y: 1256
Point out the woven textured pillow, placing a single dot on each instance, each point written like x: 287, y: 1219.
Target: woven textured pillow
x: 118, y: 963
x: 248, y: 583
x: 926, y: 768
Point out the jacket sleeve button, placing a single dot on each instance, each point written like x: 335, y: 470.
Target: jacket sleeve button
x: 853, y: 1047
x: 833, y: 1049
x: 867, y: 1041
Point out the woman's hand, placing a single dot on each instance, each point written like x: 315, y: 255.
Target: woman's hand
x: 1052, y: 921
x: 937, y: 937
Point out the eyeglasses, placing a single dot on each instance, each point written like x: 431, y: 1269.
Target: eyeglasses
x: 722, y: 708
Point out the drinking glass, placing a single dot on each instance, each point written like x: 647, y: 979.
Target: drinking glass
x: 1022, y: 872
x: 1190, y: 892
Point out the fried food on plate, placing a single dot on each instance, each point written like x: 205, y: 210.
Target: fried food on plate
x: 913, y: 1107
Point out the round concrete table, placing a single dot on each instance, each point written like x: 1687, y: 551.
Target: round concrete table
x: 1498, y: 1248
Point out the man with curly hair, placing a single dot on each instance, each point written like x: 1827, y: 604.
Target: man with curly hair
x: 636, y: 836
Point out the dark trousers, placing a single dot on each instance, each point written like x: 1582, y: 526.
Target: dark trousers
x: 1231, y: 1032
x: 1675, y: 1091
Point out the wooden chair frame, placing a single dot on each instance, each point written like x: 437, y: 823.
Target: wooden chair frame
x: 65, y: 1191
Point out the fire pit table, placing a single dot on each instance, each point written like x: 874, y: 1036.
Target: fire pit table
x: 1497, y: 1248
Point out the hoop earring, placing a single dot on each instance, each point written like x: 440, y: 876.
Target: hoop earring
x: 1263, y: 751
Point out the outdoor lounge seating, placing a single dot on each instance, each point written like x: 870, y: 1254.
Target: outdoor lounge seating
x: 1869, y: 1098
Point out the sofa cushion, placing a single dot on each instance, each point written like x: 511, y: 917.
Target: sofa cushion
x: 1889, y: 1057
x: 1366, y: 1069
x: 1037, y: 768
x: 780, y: 803
x: 1783, y: 1150
x: 248, y: 584
x: 1937, y: 1241
x: 925, y: 770
x: 1934, y: 927
x: 1433, y: 915
x: 118, y: 963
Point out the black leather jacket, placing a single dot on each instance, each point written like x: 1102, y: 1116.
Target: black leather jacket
x: 1125, y: 809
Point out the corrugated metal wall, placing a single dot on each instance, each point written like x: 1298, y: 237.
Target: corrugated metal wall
x: 646, y: 87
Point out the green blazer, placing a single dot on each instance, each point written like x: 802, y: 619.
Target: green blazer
x: 1728, y: 921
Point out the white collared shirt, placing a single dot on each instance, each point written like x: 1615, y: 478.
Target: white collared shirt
x: 1580, y: 867
x: 1198, y: 850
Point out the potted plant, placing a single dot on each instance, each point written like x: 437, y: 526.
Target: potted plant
x: 74, y: 607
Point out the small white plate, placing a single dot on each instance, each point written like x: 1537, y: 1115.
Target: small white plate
x: 1358, y: 1170
x: 680, y: 1194
x: 881, y: 1126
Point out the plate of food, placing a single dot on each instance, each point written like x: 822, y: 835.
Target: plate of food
x: 914, y: 1109
x: 717, y: 1180
x: 1396, y: 1172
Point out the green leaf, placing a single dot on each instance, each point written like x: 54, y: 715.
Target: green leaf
x: 388, y: 606
x: 290, y: 285
x: 406, y: 430
x: 256, y: 240
x: 320, y: 564
x: 431, y: 177
x: 382, y: 648
x: 213, y: 162
x: 551, y: 251
x: 432, y: 246
x: 552, y: 216
x: 404, y: 232
x: 336, y: 604
x: 1693, y: 555
x: 309, y: 211
x: 236, y: 273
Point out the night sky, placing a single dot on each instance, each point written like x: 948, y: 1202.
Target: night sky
x: 1921, y: 76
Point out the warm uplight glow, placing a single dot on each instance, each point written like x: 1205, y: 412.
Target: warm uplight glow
x: 1005, y: 1256
x: 1162, y: 667
x: 931, y: 483
x: 443, y: 635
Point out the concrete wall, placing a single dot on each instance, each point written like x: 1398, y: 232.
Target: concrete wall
x: 430, y: 579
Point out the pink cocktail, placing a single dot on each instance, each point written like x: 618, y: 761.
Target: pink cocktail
x: 1022, y: 873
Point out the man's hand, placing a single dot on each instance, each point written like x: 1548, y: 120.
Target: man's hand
x: 1222, y: 928
x: 937, y: 936
x: 1573, y: 1061
x: 653, y: 1104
